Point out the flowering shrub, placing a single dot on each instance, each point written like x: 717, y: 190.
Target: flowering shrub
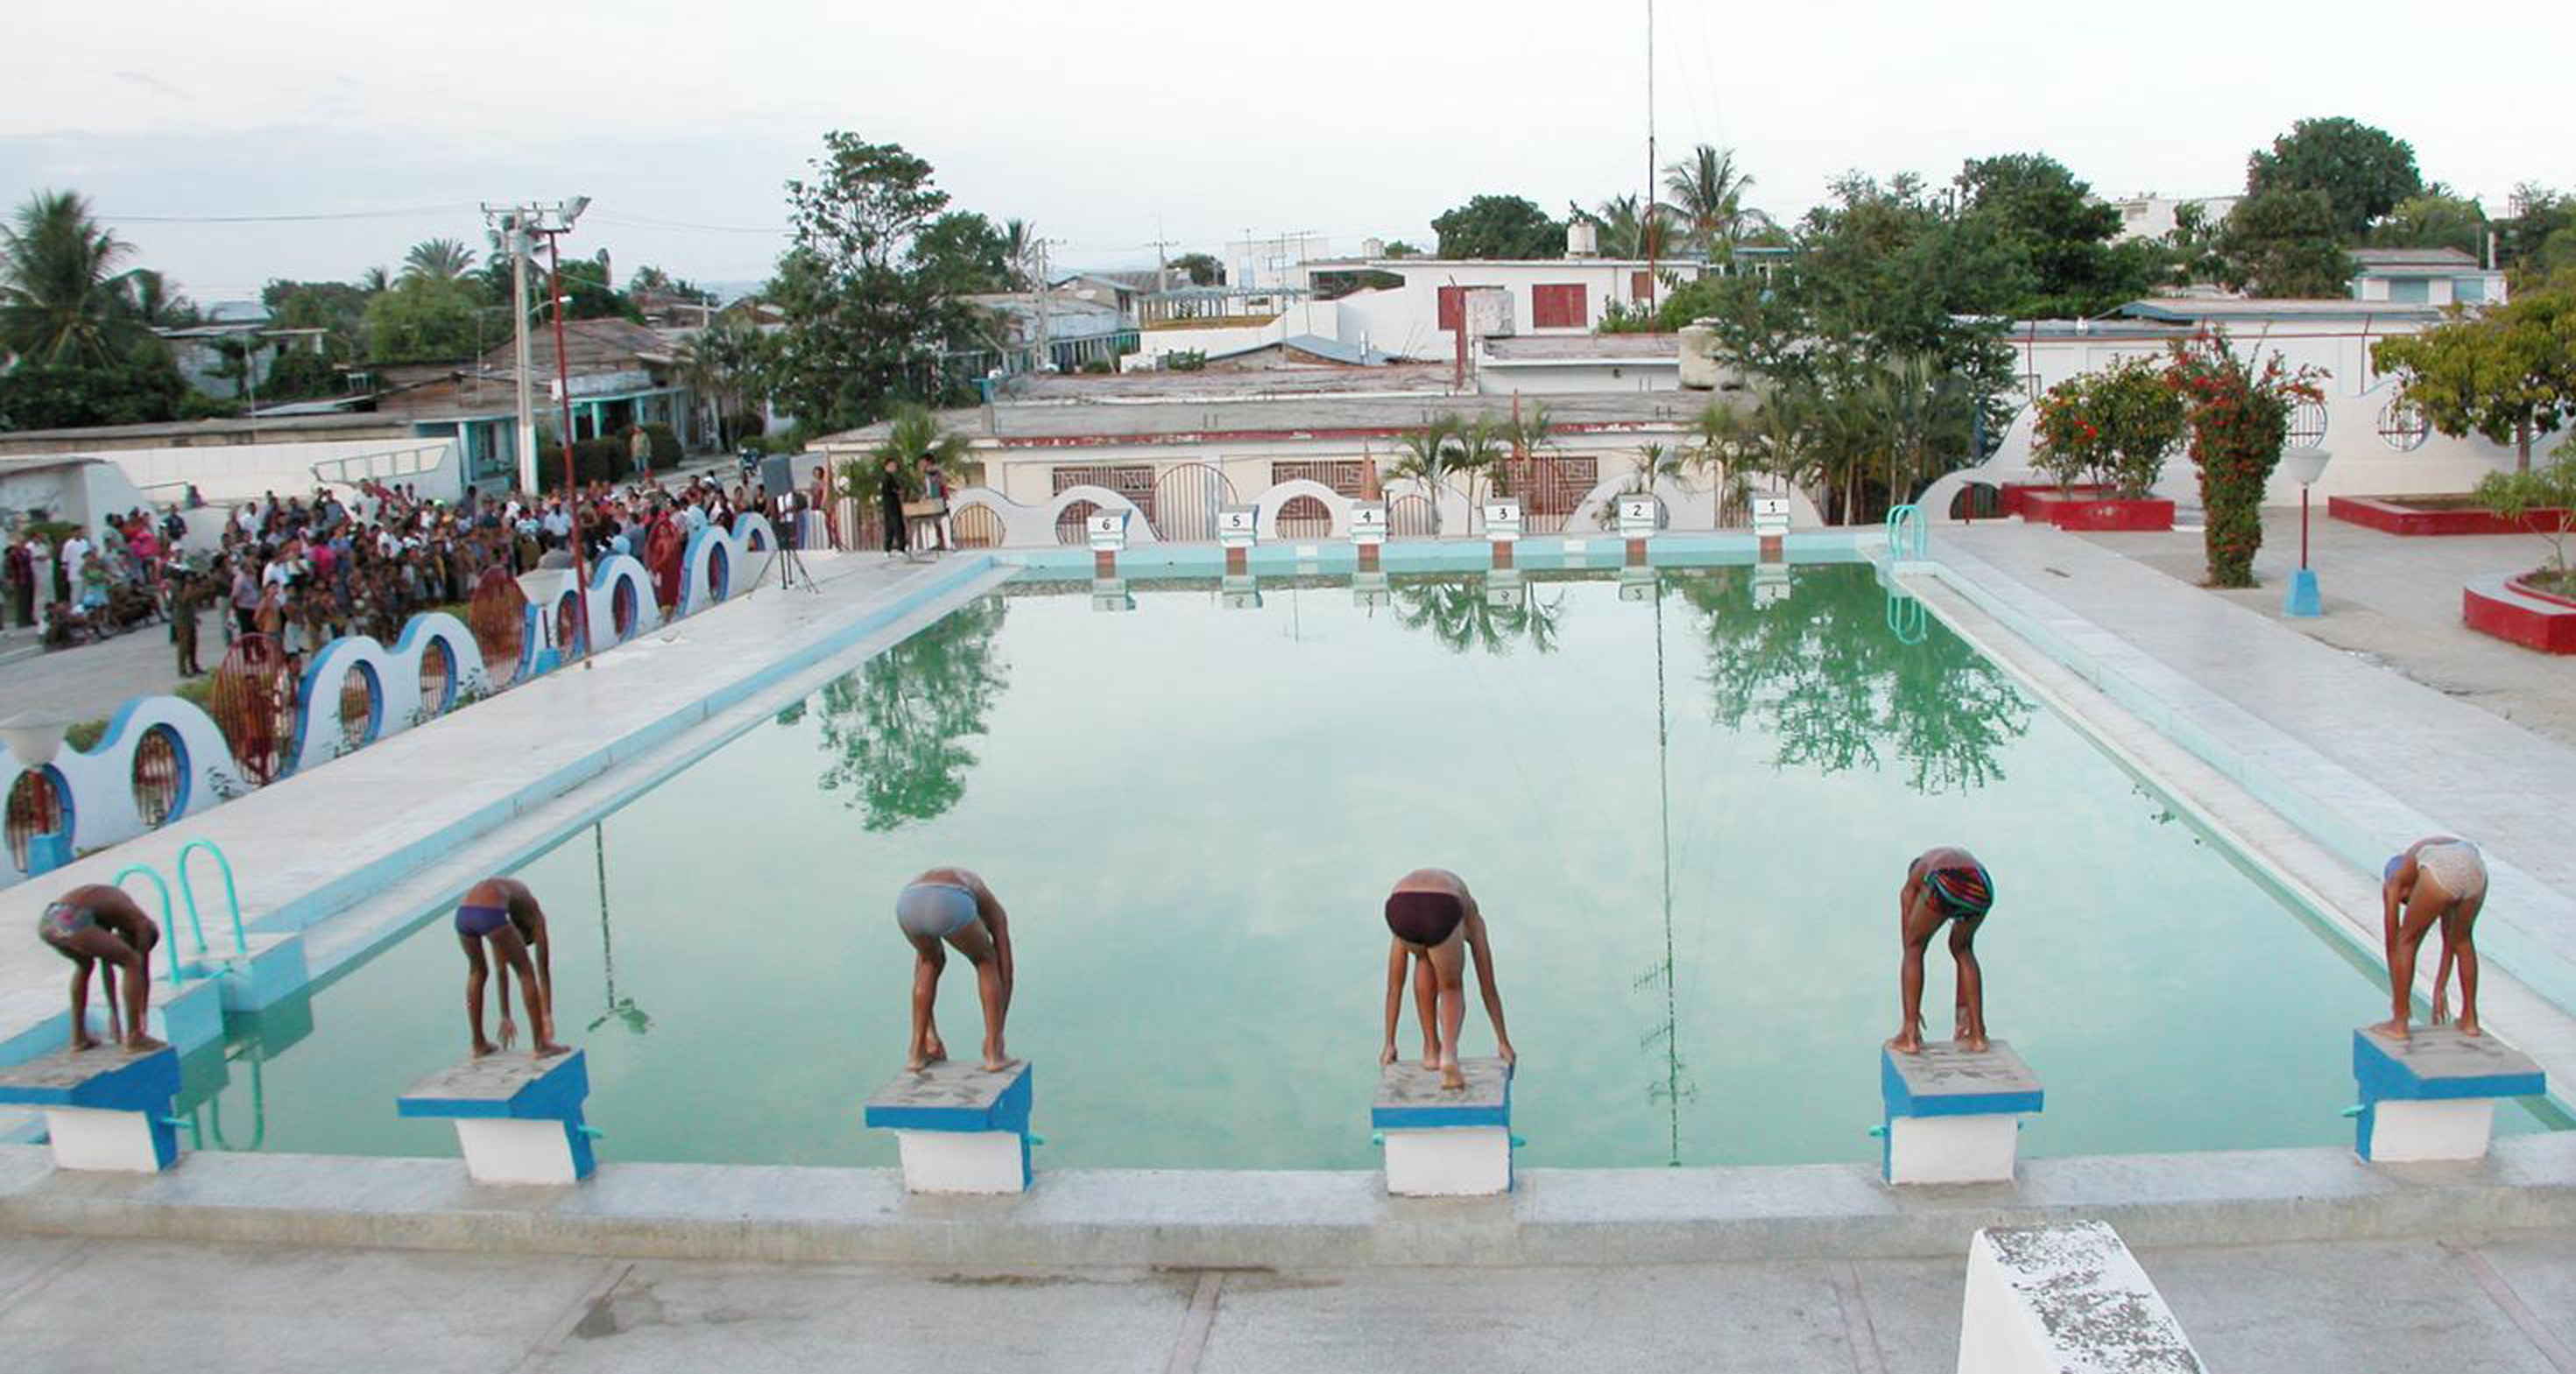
x: 2114, y: 426
x: 2239, y: 416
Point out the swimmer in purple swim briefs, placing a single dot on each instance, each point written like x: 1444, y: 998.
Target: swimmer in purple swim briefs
x: 502, y: 913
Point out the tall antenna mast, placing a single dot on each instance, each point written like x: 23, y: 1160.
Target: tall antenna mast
x: 1646, y: 205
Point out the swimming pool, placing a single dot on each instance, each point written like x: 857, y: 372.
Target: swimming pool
x: 1685, y: 804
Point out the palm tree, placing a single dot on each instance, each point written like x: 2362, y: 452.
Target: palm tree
x: 1708, y: 195
x: 1623, y: 236
x: 1428, y: 453
x: 1915, y: 412
x: 438, y: 260
x: 1480, y: 453
x: 61, y: 300
x: 914, y: 431
x: 723, y: 362
x: 154, y: 303
x: 1020, y: 250
x: 375, y: 281
x: 1527, y: 433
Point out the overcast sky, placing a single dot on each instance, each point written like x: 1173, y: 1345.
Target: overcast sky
x: 1100, y: 122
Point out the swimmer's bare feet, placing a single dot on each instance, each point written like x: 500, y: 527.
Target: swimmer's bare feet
x: 1451, y: 1080
x: 1906, y: 1041
x: 143, y: 1044
x: 917, y: 1061
x: 547, y: 1049
x: 999, y: 1063
x: 937, y: 1050
x: 2392, y: 1029
x: 2468, y: 1024
x: 1974, y: 1043
x: 82, y: 1039
x: 482, y: 1048
x: 2441, y: 1007
x: 1431, y: 1055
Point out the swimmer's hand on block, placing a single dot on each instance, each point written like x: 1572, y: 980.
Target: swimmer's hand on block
x: 1410, y: 1096
x: 954, y: 1096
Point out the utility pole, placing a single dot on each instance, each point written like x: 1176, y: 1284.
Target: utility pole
x: 1646, y: 206
x: 513, y: 221
x: 1046, y: 342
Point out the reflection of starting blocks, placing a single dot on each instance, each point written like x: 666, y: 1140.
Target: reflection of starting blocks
x: 2433, y: 1094
x: 104, y: 1108
x: 1370, y: 592
x: 960, y: 1129
x: 1441, y: 1143
x: 1636, y: 583
x: 1954, y: 1114
x: 518, y: 1117
x: 1770, y: 584
x: 1504, y: 589
x: 1110, y: 594
x: 1240, y: 593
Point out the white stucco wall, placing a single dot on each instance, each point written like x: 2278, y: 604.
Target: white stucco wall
x: 241, y: 472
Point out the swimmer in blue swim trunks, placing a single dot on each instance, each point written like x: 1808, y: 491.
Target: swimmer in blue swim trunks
x: 2439, y: 879
x: 502, y: 912
x: 95, y: 924
x: 947, y: 907
x: 1943, y: 886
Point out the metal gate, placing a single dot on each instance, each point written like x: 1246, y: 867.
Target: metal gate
x: 36, y: 807
x: 1186, y: 499
x: 498, y: 617
x: 1069, y: 522
x: 253, y: 703
x: 976, y: 527
x: 157, y: 758
x: 1549, y: 488
x: 1410, y: 517
x: 1305, y: 517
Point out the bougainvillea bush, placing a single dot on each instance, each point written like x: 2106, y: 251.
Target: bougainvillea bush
x: 2239, y: 417
x: 2113, y: 427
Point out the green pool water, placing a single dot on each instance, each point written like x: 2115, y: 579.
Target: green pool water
x: 1685, y: 815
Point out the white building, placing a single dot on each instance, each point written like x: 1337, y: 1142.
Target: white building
x: 2424, y: 276
x: 2153, y: 217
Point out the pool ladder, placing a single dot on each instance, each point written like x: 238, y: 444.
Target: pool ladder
x: 188, y: 900
x: 1909, y: 535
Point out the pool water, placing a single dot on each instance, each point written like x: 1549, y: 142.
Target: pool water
x: 1685, y: 815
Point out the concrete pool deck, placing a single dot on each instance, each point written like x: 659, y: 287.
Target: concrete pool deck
x: 2505, y: 1304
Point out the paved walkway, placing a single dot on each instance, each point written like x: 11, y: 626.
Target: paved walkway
x: 2498, y: 1305
x: 2394, y: 602
x: 88, y: 681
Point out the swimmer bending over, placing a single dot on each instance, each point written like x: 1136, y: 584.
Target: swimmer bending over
x: 504, y: 913
x: 1943, y: 884
x: 946, y: 907
x: 1436, y: 925
x: 97, y: 924
x: 2443, y: 878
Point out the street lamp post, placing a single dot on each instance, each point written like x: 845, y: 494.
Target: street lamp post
x: 34, y: 738
x: 2305, y: 466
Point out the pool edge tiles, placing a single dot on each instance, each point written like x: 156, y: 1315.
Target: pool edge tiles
x: 1289, y: 1219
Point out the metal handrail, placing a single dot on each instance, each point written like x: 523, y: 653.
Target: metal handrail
x: 170, y: 944
x: 188, y: 893
x: 1909, y: 535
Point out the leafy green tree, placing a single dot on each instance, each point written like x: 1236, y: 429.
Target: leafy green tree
x: 1021, y: 245
x: 424, y: 319
x: 2508, y: 372
x: 1624, y: 233
x: 898, y: 733
x: 588, y: 291
x: 335, y: 306
x: 441, y: 260
x: 1499, y: 227
x: 915, y: 431
x: 2521, y: 496
x: 961, y: 253
x: 2052, y: 221
x: 2284, y: 244
x: 1202, y: 269
x: 1400, y: 249
x: 2539, y: 237
x: 1457, y: 613
x: 865, y: 328
x: 2363, y: 172
x: 299, y: 371
x: 143, y: 387
x: 2435, y: 219
x: 154, y: 303
x: 1707, y: 195
x: 727, y: 362
x: 61, y: 295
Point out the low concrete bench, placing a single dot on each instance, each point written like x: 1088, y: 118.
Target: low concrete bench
x: 1954, y: 1114
x: 958, y: 1128
x: 517, y: 1117
x: 1441, y: 1142
x: 2065, y: 1300
x: 104, y: 1108
x: 2433, y: 1094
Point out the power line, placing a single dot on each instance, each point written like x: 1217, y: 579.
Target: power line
x: 459, y: 208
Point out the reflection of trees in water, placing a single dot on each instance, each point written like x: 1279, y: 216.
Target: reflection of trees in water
x: 896, y: 729
x: 1821, y: 670
x: 1456, y: 613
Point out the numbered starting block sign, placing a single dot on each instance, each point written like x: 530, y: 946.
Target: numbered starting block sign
x: 1770, y: 585
x: 1238, y: 526
x: 1506, y: 590
x: 1503, y: 520
x: 1639, y: 516
x: 1770, y: 516
x: 1108, y: 530
x: 1368, y: 523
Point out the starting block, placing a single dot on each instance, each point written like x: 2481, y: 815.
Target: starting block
x: 958, y: 1128
x: 518, y: 1117
x: 2433, y: 1094
x: 1443, y: 1143
x: 104, y: 1108
x: 1953, y: 1114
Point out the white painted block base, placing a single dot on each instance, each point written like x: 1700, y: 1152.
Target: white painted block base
x: 1952, y: 1149
x: 1449, y: 1161
x: 2052, y: 1299
x: 90, y: 1138
x: 963, y: 1161
x: 512, y: 1150
x: 2403, y: 1132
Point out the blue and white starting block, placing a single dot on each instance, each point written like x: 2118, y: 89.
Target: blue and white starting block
x: 104, y: 1108
x: 1953, y: 1114
x: 2433, y: 1094
x: 518, y: 1117
x: 1443, y: 1142
x: 958, y: 1128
